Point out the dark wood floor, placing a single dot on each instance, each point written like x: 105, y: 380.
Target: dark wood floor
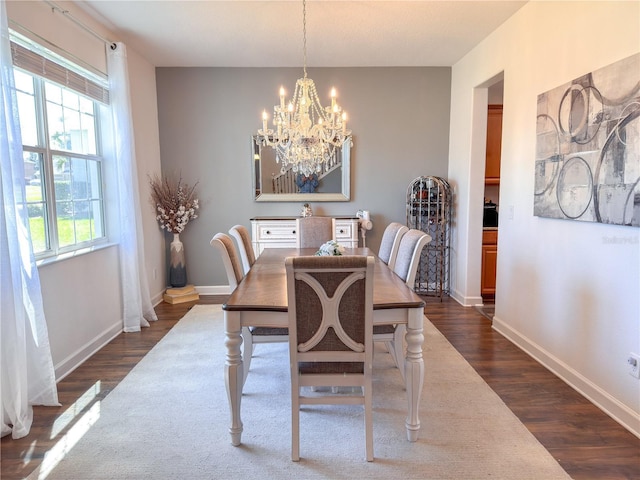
x: 585, y: 441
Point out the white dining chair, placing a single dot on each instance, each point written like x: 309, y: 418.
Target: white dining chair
x: 406, y: 267
x: 230, y: 258
x: 330, y: 338
x: 314, y: 231
x: 235, y: 273
x: 243, y: 239
x: 391, y: 242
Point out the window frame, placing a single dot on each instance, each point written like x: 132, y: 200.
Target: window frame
x: 44, y: 149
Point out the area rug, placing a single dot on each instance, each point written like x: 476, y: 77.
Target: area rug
x: 169, y: 419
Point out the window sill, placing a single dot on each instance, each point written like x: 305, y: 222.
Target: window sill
x: 76, y: 253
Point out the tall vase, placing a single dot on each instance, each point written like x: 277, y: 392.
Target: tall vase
x: 177, y: 268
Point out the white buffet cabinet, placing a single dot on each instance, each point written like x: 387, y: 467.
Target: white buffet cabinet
x: 280, y: 232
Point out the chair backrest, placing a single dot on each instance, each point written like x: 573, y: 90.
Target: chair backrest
x: 314, y: 231
x: 331, y: 313
x: 391, y: 242
x: 230, y: 258
x: 245, y: 248
x: 408, y: 258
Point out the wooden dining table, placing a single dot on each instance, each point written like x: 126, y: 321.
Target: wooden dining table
x: 261, y: 300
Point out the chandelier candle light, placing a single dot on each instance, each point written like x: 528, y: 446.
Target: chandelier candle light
x: 305, y: 134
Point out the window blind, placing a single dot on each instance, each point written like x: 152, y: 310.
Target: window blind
x: 49, y: 69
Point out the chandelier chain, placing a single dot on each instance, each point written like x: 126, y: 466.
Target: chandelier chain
x: 304, y: 37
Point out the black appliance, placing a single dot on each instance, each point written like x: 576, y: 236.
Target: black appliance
x: 490, y: 217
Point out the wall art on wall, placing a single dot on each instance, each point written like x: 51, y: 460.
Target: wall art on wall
x: 588, y: 147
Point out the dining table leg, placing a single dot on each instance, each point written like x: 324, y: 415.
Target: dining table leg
x: 414, y: 370
x: 234, y: 372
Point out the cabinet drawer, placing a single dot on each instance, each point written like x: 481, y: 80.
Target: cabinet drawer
x: 344, y: 231
x: 490, y: 237
x: 277, y: 232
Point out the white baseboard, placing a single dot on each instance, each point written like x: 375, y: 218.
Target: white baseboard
x: 213, y: 290
x: 157, y: 298
x: 77, y: 358
x: 465, y: 301
x: 608, y: 404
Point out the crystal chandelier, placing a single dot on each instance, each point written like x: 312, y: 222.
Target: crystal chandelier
x: 305, y: 134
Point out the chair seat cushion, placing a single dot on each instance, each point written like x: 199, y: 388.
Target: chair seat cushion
x: 383, y: 329
x: 331, y: 367
x: 260, y: 331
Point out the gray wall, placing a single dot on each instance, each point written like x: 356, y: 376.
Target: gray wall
x: 400, y: 123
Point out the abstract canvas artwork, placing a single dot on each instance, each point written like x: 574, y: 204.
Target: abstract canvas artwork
x: 588, y: 147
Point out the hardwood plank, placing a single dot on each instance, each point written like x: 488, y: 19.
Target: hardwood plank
x: 85, y: 386
x: 586, y: 442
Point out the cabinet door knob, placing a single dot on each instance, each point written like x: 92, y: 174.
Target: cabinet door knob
x: 341, y: 231
x: 268, y: 232
x: 293, y: 231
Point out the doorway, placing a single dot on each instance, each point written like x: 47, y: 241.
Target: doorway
x: 491, y: 209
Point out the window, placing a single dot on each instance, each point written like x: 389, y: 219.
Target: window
x: 63, y: 165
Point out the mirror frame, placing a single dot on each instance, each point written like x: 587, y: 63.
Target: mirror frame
x: 343, y: 196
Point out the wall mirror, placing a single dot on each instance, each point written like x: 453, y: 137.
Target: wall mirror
x: 270, y: 185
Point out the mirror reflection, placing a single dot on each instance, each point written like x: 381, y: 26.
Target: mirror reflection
x: 272, y: 185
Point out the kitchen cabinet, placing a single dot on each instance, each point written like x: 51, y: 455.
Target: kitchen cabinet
x: 489, y: 261
x: 494, y: 145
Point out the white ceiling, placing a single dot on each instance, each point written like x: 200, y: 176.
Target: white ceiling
x: 268, y: 33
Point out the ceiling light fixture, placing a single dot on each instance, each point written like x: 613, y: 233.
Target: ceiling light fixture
x: 305, y: 134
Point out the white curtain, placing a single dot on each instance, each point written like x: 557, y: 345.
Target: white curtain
x: 26, y: 367
x: 135, y: 288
